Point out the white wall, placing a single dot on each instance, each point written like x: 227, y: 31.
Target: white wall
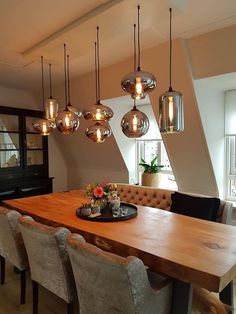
x: 211, y: 106
x: 11, y: 97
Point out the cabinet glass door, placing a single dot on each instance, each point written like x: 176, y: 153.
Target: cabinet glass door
x: 9, y: 141
x: 34, y: 144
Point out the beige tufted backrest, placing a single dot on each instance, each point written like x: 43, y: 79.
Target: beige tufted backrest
x: 160, y: 198
x: 145, y: 196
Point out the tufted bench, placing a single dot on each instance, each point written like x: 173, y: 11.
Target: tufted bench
x: 160, y: 198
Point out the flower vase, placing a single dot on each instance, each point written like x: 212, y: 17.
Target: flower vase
x: 98, y: 204
x: 114, y: 203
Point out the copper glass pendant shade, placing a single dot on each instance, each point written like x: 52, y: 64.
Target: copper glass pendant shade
x: 66, y: 121
x: 138, y: 83
x: 135, y: 123
x: 43, y: 126
x: 98, y: 112
x: 51, y: 105
x: 171, y: 115
x: 98, y: 132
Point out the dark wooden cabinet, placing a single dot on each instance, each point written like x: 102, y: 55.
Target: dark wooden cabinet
x: 23, y: 155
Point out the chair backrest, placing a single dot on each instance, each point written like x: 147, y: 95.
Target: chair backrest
x: 49, y: 262
x: 108, y: 283
x: 11, y: 243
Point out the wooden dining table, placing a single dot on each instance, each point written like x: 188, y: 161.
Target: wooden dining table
x: 189, y: 250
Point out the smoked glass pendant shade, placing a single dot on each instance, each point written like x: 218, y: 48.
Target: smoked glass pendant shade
x: 135, y: 123
x: 43, y: 126
x: 171, y: 113
x: 138, y: 84
x: 75, y: 110
x: 98, y: 132
x: 67, y: 121
x: 98, y: 112
x: 51, y: 109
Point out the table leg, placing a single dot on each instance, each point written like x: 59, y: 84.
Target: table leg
x: 182, y: 298
x: 227, y: 295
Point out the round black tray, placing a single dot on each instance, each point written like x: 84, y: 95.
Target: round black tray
x: 126, y: 212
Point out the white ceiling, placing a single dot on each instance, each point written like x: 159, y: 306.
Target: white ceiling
x: 31, y: 28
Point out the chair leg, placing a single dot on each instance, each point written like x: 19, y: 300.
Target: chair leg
x: 70, y: 308
x: 2, y: 263
x: 35, y: 296
x: 22, y: 286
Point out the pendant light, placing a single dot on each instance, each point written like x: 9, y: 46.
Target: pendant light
x: 98, y: 132
x: 43, y: 126
x: 51, y: 105
x: 135, y: 123
x: 69, y: 106
x: 171, y: 116
x: 138, y: 83
x: 98, y: 112
x: 66, y: 121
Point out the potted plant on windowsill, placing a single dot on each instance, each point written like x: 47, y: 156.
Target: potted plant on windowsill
x: 151, y: 175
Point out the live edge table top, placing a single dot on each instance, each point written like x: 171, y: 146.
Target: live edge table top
x: 192, y: 250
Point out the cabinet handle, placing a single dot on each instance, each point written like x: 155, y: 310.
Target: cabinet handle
x: 7, y: 192
x: 31, y: 189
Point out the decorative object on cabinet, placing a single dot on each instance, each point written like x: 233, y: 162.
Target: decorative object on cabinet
x: 23, y: 155
x: 171, y: 115
x: 138, y: 83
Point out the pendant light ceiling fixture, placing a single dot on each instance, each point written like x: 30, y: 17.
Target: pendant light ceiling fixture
x: 43, y: 126
x: 66, y: 121
x: 69, y: 106
x: 98, y: 132
x: 135, y: 123
x: 98, y: 112
x: 171, y: 115
x: 138, y: 83
x: 51, y: 105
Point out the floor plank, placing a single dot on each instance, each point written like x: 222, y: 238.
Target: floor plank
x: 10, y: 297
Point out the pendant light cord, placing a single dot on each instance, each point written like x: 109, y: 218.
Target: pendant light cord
x: 65, y: 75
x: 96, y: 76
x: 42, y: 82
x: 135, y: 47
x: 138, y: 39
x: 170, y: 48
x: 68, y: 78
x: 98, y: 68
x: 50, y: 79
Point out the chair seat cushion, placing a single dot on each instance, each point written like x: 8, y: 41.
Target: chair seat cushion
x: 198, y: 207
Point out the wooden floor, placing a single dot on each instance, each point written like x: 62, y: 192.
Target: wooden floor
x: 48, y: 302
x: 10, y: 296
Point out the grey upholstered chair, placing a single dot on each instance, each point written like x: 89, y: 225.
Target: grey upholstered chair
x: 49, y: 262
x: 110, y: 284
x: 12, y: 247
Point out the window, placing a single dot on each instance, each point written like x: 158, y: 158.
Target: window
x: 231, y: 167
x: 148, y: 149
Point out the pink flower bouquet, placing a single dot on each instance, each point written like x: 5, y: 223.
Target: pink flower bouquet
x: 101, y: 190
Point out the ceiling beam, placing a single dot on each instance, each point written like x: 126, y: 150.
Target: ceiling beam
x: 75, y: 23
